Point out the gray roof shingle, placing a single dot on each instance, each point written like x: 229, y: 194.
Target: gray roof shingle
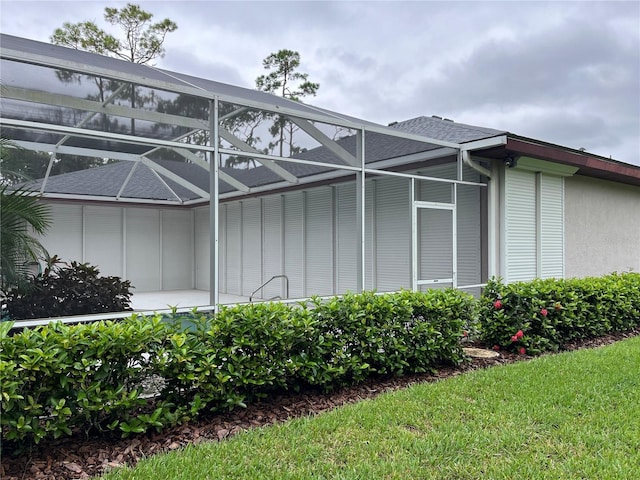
x: 447, y: 130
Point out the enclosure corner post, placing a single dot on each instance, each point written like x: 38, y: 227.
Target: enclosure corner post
x: 213, y: 202
x: 360, y: 211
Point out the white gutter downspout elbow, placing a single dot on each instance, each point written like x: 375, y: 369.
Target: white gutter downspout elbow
x: 466, y: 158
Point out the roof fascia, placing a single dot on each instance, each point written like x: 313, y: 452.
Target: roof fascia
x: 537, y: 165
x: 485, y: 143
x: 97, y: 198
x: 588, y: 164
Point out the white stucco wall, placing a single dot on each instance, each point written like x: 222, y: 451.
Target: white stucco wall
x: 602, y: 227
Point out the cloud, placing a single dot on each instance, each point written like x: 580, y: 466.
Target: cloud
x: 563, y: 72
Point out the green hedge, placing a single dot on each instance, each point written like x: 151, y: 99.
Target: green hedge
x: 58, y: 379
x: 543, y: 315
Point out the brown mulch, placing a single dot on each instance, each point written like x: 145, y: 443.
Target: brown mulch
x: 80, y: 457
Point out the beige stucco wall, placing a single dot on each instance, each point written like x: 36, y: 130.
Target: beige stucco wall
x: 602, y: 227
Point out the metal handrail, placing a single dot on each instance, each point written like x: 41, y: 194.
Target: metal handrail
x: 267, y: 282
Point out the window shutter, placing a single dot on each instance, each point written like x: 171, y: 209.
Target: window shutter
x: 520, y: 225
x: 551, y: 227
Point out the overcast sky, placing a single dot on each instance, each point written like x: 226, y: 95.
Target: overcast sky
x: 562, y: 72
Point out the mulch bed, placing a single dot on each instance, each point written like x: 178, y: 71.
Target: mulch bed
x: 80, y: 457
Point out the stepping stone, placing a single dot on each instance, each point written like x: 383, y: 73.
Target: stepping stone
x: 480, y: 353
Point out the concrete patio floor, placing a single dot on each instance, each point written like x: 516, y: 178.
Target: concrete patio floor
x: 149, y: 301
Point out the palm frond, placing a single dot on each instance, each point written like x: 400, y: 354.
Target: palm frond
x: 21, y: 215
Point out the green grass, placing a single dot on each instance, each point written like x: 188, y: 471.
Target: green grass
x: 571, y: 416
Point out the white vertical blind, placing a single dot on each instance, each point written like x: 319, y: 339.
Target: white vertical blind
x: 370, y: 240
x: 202, y: 247
x: 393, y: 234
x: 469, y: 231
x: 233, y: 242
x: 435, y: 245
x: 294, y: 242
x: 346, y: 238
x: 64, y: 236
x: 222, y: 250
x: 319, y: 241
x: 251, y: 246
x: 177, y: 249
x: 103, y: 239
x: 272, y: 246
x: 142, y: 245
x: 534, y: 225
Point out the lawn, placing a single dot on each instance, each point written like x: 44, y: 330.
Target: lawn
x: 572, y: 416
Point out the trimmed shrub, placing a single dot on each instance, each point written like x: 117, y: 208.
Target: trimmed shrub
x: 543, y: 315
x: 59, y: 378
x: 73, y: 289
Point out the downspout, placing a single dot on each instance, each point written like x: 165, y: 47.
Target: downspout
x: 492, y: 197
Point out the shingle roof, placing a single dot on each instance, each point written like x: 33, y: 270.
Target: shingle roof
x: 106, y: 181
x: 440, y: 129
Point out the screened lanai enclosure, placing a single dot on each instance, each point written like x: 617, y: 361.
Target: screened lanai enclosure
x: 168, y: 180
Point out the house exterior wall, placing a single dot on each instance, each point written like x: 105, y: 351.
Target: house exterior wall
x: 151, y: 247
x: 602, y: 225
